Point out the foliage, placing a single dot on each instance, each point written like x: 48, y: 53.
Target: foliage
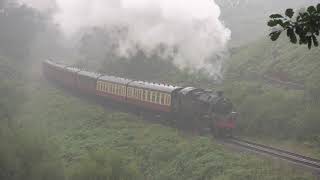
x: 267, y: 111
x: 275, y: 108
x: 104, y: 165
x: 158, y: 152
x: 19, y: 27
x: 306, y: 25
x: 28, y: 155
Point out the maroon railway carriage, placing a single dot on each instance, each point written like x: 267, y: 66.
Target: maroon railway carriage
x: 53, y: 71
x: 152, y: 96
x: 87, y: 82
x: 64, y: 75
x: 70, y: 75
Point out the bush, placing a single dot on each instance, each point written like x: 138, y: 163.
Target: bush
x: 104, y: 165
x: 28, y: 156
x: 268, y: 111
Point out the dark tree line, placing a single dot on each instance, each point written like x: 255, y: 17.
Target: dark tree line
x: 19, y: 25
x: 302, y: 26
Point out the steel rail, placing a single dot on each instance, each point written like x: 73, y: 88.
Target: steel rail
x: 275, y: 152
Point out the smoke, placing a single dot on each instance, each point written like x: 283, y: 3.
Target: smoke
x: 190, y: 30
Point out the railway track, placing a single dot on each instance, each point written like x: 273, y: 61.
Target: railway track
x: 279, y: 153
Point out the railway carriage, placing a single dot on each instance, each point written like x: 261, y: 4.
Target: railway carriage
x: 53, y: 71
x: 111, y: 87
x: 156, y: 97
x: 87, y: 82
x: 70, y: 76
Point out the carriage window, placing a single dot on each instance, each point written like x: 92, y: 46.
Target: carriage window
x: 158, y: 98
x: 168, y: 100
x: 134, y: 93
x: 119, y: 90
x: 141, y: 95
x: 144, y: 95
x: 162, y: 98
x: 147, y: 96
x: 150, y: 96
x: 153, y: 96
x: 103, y: 86
x: 98, y: 86
x: 131, y: 92
x: 128, y: 92
x: 123, y: 90
x: 109, y: 88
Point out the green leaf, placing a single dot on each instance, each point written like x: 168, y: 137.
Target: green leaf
x: 275, y: 35
x: 273, y: 23
x: 318, y: 8
x: 289, y: 13
x: 309, y: 42
x: 311, y: 9
x: 315, y: 41
x: 292, y: 36
x: 276, y: 16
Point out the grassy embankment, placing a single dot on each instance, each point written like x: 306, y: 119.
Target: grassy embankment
x: 157, y: 152
x: 273, y: 110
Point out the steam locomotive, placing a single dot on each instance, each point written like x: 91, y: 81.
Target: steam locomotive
x: 197, y: 108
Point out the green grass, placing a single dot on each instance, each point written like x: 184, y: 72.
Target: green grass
x: 78, y: 127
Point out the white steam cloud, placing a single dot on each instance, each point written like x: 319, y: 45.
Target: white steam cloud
x: 189, y: 28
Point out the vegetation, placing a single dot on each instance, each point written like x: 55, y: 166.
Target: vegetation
x: 26, y: 154
x: 104, y: 165
x: 47, y: 133
x: 306, y: 25
x: 276, y: 108
x: 150, y: 150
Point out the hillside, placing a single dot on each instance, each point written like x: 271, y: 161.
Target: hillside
x: 275, y: 87
x: 280, y: 60
x: 78, y: 126
x: 55, y: 134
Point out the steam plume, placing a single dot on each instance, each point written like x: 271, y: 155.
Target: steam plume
x: 189, y: 28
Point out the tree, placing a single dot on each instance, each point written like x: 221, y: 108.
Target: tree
x: 19, y: 26
x: 304, y: 24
